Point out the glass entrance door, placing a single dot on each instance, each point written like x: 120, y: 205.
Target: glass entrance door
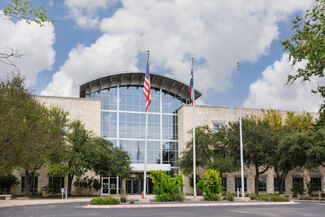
x: 109, y: 185
x: 113, y: 185
x: 105, y: 186
x: 134, y: 185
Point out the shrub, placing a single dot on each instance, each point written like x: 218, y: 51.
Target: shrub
x: 123, y: 199
x: 230, y: 197
x: 166, y: 186
x: 179, y: 197
x: 104, y: 201
x: 296, y: 189
x: 251, y: 196
x: 132, y: 201
x: 6, y: 181
x: 272, y: 197
x: 163, y: 198
x: 214, y: 197
x: 210, y: 183
x: 310, y: 188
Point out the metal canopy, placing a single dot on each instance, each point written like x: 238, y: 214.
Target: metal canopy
x: 136, y: 79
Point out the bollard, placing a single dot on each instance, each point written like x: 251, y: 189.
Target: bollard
x: 66, y: 193
x: 319, y: 195
x: 237, y: 192
x: 62, y: 192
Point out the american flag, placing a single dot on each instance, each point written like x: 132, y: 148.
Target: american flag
x: 191, y: 86
x: 146, y: 87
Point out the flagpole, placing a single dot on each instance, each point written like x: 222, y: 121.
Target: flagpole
x: 145, y: 152
x: 241, y: 148
x: 194, y: 157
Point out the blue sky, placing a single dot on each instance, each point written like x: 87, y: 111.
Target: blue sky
x: 94, y: 38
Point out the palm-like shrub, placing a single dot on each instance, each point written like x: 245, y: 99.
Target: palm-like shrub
x: 211, y: 184
x: 165, y: 186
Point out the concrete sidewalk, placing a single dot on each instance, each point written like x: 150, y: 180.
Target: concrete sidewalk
x: 27, y: 202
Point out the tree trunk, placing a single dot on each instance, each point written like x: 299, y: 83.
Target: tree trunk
x: 27, y: 183
x: 257, y: 174
x: 279, y: 180
x: 280, y: 184
x: 70, y: 178
x: 283, y: 176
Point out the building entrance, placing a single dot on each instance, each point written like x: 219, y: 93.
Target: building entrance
x: 134, y: 185
x: 109, y: 185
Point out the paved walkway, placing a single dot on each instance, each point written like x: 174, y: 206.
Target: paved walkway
x: 139, y: 203
x: 26, y: 202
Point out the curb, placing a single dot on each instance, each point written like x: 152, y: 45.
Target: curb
x: 189, y: 205
x: 309, y: 201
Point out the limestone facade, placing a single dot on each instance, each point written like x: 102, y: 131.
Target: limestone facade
x: 209, y: 115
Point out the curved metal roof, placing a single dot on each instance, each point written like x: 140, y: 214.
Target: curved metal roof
x: 135, y: 79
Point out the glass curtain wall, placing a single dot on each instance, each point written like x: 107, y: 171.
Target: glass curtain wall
x: 123, y: 121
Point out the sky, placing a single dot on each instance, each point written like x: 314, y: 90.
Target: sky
x: 91, y: 38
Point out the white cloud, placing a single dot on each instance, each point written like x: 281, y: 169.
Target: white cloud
x: 84, y: 12
x: 216, y: 32
x: 31, y: 40
x: 84, y: 63
x: 270, y: 91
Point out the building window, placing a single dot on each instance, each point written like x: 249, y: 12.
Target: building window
x: 169, y: 152
x: 276, y: 187
x: 262, y: 184
x: 123, y: 122
x: 55, y: 184
x: 317, y: 183
x: 33, y: 188
x: 238, y: 184
x: 224, y: 184
x: 298, y: 180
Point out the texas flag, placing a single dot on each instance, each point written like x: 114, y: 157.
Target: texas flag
x: 191, y: 87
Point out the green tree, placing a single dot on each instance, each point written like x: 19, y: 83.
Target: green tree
x: 30, y: 133
x: 308, y: 43
x: 44, y: 141
x: 16, y: 105
x: 284, y: 128
x: 211, y: 151
x: 293, y: 148
x: 316, y: 152
x: 79, y: 142
x: 107, y: 160
x: 258, y: 140
x: 85, y: 152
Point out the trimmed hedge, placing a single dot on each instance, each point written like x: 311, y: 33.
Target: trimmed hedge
x: 105, y: 201
x: 272, y: 197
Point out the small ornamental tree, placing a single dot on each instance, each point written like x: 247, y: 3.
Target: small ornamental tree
x: 166, y: 187
x: 211, y: 184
